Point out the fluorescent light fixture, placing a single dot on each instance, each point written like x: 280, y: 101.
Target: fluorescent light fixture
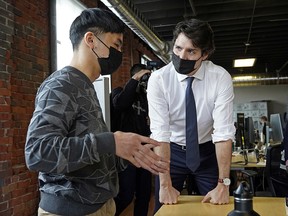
x: 243, y: 78
x: 249, y: 62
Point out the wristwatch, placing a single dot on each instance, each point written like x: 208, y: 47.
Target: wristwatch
x: 225, y: 181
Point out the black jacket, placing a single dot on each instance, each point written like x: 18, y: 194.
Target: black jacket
x: 130, y: 109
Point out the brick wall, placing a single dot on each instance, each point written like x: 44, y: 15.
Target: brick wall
x: 24, y: 64
x: 24, y: 51
x: 132, y: 51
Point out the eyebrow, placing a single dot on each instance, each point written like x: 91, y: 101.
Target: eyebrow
x: 190, y: 49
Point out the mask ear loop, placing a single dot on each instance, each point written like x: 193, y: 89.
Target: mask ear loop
x: 101, y: 41
x: 199, y: 58
x: 94, y: 47
x: 94, y: 52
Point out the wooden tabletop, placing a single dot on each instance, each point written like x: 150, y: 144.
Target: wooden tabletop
x: 191, y: 205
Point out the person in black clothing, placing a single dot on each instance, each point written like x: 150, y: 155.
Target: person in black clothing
x: 264, y: 121
x: 280, y: 182
x: 130, y: 108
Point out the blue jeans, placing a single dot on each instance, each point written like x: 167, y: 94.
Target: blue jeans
x: 205, y: 177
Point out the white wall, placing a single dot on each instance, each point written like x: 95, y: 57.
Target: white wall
x: 276, y: 94
x: 66, y: 12
x: 102, y: 85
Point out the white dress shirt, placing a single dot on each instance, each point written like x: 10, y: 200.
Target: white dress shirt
x: 213, y: 92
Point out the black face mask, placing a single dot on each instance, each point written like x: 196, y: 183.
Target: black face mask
x: 183, y: 66
x: 112, y: 62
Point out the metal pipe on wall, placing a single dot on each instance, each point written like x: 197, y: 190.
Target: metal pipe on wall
x: 138, y: 25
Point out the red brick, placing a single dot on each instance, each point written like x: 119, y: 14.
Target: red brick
x: 4, y: 108
x: 18, y: 192
x: 5, y: 116
x: 16, y: 201
x: 28, y: 197
x: 4, y: 196
x: 19, y: 169
x: 3, y: 149
x: 3, y: 206
x: 5, y: 140
x: 19, y: 209
x: 7, y: 124
x: 5, y: 92
x: 8, y: 212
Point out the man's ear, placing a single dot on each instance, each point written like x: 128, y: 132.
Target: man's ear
x: 205, y: 56
x: 89, y: 40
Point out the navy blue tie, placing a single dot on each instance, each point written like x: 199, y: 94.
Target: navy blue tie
x: 192, y: 145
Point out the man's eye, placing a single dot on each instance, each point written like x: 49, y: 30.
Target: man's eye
x: 118, y: 46
x: 191, y: 52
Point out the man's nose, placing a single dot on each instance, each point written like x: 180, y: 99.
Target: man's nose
x: 183, y: 55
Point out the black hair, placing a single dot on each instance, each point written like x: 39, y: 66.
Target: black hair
x: 264, y: 118
x: 136, y: 68
x: 200, y: 33
x: 95, y: 20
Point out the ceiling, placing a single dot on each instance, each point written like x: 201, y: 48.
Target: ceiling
x: 242, y: 28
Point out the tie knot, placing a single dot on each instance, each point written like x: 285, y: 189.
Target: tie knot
x: 189, y: 81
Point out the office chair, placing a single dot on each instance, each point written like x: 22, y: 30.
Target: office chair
x: 277, y: 178
x: 250, y: 174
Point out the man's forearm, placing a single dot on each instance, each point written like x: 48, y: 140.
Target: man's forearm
x: 224, y: 155
x: 164, y: 151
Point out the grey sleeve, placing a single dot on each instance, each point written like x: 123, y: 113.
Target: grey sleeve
x: 49, y: 145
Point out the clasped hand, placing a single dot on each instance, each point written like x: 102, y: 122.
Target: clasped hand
x: 129, y: 146
x: 218, y: 196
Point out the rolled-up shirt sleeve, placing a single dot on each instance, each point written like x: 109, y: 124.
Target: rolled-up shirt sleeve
x: 224, y: 128
x: 158, y: 109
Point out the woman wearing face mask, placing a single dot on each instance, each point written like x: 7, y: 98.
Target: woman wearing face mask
x: 214, y: 131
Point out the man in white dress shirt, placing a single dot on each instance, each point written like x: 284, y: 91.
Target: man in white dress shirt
x: 193, y: 43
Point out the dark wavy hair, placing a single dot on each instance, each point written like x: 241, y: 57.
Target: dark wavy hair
x: 200, y: 33
x: 95, y: 20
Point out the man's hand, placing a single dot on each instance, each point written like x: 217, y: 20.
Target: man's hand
x: 168, y: 195
x: 129, y: 146
x: 218, y: 196
x: 139, y: 74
